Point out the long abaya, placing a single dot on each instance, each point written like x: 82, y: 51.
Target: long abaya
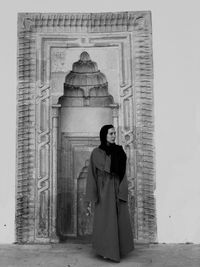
x: 112, y: 233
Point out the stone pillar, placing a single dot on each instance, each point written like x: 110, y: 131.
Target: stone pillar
x: 55, y: 117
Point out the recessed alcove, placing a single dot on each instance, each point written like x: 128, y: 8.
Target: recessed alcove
x: 84, y: 108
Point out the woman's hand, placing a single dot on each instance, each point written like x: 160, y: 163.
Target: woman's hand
x: 89, y: 209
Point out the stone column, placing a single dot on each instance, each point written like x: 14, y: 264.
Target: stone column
x: 55, y: 117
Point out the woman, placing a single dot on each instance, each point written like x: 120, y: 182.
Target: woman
x: 107, y: 187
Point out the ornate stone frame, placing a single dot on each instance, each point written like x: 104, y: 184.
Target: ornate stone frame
x: 38, y: 111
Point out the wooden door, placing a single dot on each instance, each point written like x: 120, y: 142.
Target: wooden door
x: 73, y: 218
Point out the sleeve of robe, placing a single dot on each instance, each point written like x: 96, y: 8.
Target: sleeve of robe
x: 91, y: 185
x: 123, y: 189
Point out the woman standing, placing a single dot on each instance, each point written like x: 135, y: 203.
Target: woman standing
x: 107, y: 187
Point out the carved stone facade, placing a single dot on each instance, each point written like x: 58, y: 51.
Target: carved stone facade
x: 45, y: 43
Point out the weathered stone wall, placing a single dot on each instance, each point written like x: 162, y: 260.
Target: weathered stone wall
x: 37, y: 113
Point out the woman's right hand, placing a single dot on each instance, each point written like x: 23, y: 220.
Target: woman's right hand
x: 89, y: 209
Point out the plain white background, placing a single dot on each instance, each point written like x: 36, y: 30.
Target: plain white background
x: 176, y: 44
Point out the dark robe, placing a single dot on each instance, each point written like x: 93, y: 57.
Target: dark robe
x: 112, y: 233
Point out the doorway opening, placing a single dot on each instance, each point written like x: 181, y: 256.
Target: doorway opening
x: 85, y: 107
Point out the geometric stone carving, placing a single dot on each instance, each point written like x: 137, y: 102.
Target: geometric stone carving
x: 85, y: 85
x: 43, y: 164
x: 43, y: 40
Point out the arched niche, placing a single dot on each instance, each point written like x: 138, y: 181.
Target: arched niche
x: 85, y: 107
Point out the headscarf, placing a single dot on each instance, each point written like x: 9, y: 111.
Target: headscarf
x: 118, y: 156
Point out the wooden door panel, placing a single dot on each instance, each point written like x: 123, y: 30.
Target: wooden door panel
x: 84, y: 218
x: 73, y: 219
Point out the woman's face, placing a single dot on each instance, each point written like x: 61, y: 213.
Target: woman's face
x: 111, y: 135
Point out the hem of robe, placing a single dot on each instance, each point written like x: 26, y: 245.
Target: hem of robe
x: 122, y: 254
x: 106, y: 256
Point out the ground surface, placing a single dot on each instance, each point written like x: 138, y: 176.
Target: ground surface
x: 82, y: 255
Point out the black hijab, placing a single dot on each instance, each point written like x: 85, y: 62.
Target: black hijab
x: 118, y: 156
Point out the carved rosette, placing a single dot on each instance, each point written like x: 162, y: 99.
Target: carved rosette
x: 36, y: 134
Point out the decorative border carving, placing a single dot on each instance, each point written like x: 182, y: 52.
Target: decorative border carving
x: 85, y: 22
x: 43, y: 160
x: 25, y: 168
x: 132, y: 32
x: 144, y: 133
